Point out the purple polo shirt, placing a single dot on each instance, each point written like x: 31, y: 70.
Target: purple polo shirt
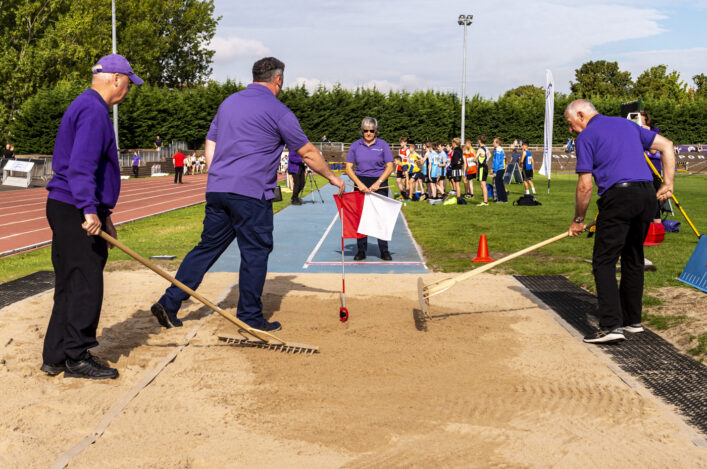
x: 655, y: 159
x: 611, y: 148
x: 136, y: 160
x: 250, y: 129
x: 85, y: 159
x: 369, y: 161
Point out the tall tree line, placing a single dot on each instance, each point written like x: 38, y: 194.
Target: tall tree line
x: 44, y: 41
x: 186, y: 113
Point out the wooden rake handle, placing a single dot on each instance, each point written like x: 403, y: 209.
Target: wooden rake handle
x: 262, y: 335
x: 435, y: 289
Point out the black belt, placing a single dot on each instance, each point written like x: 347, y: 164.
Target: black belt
x: 631, y: 184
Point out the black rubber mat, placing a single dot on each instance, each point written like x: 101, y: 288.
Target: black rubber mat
x: 25, y: 287
x: 677, y: 378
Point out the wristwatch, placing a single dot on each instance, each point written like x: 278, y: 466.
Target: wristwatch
x: 578, y: 219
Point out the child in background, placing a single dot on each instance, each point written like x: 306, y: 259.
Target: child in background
x: 434, y: 160
x: 413, y: 173
x: 482, y: 157
x: 442, y: 159
x: 425, y: 169
x: 399, y: 174
x: 457, y: 166
x: 470, y: 168
x: 499, y: 168
x: 526, y: 162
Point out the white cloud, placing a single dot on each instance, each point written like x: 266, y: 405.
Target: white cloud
x: 416, y: 44
x: 231, y: 48
x: 689, y: 62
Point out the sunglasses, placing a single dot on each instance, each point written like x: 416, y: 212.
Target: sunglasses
x: 368, y: 131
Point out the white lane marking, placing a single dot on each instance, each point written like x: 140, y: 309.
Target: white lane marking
x: 319, y: 244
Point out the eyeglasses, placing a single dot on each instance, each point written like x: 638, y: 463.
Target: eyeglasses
x: 368, y: 131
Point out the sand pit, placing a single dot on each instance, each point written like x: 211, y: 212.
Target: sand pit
x: 491, y: 380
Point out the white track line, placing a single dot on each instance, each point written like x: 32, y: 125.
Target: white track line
x: 319, y: 244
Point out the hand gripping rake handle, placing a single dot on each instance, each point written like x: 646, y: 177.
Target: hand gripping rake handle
x: 672, y: 196
x: 438, y: 287
x: 262, y: 335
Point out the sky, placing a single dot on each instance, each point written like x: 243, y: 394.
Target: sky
x: 417, y: 44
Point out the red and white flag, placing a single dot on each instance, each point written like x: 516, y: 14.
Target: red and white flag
x: 368, y: 215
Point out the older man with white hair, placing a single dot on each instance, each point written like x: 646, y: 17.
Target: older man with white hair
x: 82, y: 193
x: 611, y: 150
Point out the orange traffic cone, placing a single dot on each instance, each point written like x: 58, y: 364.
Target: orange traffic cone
x: 482, y: 254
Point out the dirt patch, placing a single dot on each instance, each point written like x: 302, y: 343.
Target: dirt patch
x: 490, y: 380
x: 688, y: 302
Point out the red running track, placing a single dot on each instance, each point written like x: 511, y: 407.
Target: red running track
x: 23, y: 223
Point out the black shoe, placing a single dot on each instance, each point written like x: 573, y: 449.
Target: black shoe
x: 296, y: 202
x: 385, y: 255
x: 89, y: 368
x: 264, y: 325
x: 165, y: 318
x: 360, y: 255
x: 53, y: 369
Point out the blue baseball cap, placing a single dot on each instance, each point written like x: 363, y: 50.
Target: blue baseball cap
x: 116, y: 63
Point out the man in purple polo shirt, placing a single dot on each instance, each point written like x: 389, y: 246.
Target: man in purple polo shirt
x: 82, y: 193
x: 611, y: 150
x: 243, y: 150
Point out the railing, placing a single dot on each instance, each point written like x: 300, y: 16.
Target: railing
x: 151, y: 155
x: 42, y: 169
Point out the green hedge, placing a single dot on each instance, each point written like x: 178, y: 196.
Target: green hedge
x: 186, y: 114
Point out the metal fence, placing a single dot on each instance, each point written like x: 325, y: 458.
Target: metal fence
x: 151, y: 156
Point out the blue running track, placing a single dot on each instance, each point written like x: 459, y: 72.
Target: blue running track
x: 308, y: 240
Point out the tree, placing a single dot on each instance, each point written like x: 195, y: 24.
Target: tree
x: 656, y: 83
x: 601, y: 78
x: 526, y: 92
x: 700, y: 85
x: 45, y: 41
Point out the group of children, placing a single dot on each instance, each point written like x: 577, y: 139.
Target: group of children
x: 421, y: 177
x: 194, y: 164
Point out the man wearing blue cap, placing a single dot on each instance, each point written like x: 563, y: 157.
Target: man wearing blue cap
x: 82, y: 193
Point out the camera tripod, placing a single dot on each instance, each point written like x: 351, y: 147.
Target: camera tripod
x: 313, y: 186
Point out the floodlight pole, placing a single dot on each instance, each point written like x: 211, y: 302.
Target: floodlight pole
x: 115, y: 51
x: 464, y: 21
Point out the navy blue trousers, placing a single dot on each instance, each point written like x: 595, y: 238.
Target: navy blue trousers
x: 227, y: 217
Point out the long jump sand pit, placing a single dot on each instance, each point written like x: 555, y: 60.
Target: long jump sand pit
x: 491, y: 380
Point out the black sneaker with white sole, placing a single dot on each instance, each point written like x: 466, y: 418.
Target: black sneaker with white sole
x: 606, y: 337
x: 634, y: 328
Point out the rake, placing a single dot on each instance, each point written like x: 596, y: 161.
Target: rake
x: 248, y: 336
x: 425, y: 292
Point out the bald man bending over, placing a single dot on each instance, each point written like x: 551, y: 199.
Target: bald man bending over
x: 611, y: 150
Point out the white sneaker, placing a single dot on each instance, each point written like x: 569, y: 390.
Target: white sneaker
x: 634, y: 328
x: 606, y: 337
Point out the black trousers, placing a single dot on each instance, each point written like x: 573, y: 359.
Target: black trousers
x: 298, y: 182
x: 136, y: 170
x: 178, y: 171
x: 78, y: 262
x: 362, y: 243
x: 625, y: 214
x: 498, y: 188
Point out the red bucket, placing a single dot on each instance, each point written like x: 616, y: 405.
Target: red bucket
x: 656, y: 234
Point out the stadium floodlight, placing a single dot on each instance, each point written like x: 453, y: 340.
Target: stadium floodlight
x: 464, y: 21
x: 115, y: 51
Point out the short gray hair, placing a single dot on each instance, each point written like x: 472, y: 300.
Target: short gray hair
x: 580, y: 105
x: 369, y: 122
x: 265, y: 70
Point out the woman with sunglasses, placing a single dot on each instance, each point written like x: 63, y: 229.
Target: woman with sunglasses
x: 373, y: 163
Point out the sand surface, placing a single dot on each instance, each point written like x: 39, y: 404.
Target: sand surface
x: 492, y: 380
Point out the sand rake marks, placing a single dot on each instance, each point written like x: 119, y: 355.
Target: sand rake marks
x: 250, y: 337
x: 425, y: 292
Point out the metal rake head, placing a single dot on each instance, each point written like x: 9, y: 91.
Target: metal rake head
x: 283, y: 347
